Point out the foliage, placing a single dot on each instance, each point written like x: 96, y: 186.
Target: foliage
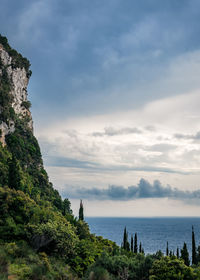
x: 19, y: 261
x: 26, y: 104
x: 194, y: 253
x: 81, y: 214
x: 125, y: 243
x: 135, y: 244
x: 4, y: 168
x: 185, y: 254
x: 120, y: 266
x: 55, y: 237
x: 171, y: 269
x: 18, y: 61
x: 7, y: 112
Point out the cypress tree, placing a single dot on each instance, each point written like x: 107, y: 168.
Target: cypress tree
x: 81, y: 214
x: 185, y: 255
x: 198, y: 254
x: 194, y: 253
x: 14, y: 177
x: 167, y: 250
x: 125, y: 243
x: 131, y: 243
x: 124, y: 239
x: 135, y: 244
x: 177, y: 253
x: 140, y: 248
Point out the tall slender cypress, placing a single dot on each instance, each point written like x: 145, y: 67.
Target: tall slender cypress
x: 194, y: 252
x: 140, y: 248
x: 131, y: 242
x: 124, y: 239
x: 125, y: 243
x: 81, y: 214
x: 135, y: 244
x: 185, y: 254
x: 167, y: 249
x: 177, y: 253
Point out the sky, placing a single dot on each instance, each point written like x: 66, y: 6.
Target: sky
x: 115, y: 95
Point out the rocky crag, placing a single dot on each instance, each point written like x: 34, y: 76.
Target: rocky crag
x: 39, y: 236
x: 15, y: 74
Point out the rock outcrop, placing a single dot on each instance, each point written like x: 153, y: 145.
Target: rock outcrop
x: 18, y: 78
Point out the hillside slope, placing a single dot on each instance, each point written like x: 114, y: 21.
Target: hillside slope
x: 40, y: 239
x: 39, y: 236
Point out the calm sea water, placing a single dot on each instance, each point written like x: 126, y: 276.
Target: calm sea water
x: 152, y: 232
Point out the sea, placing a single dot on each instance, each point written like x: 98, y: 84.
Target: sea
x: 153, y: 233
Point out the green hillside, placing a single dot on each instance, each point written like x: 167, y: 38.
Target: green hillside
x: 39, y: 236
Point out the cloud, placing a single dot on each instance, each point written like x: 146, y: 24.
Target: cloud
x: 58, y: 161
x: 111, y: 131
x: 143, y: 190
x: 69, y: 162
x: 188, y: 136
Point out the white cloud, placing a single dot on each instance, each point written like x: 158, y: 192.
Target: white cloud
x: 123, y: 158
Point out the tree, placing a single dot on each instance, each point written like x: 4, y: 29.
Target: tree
x: 185, y: 254
x: 124, y: 239
x: 14, y: 177
x: 198, y: 254
x: 125, y: 244
x: 194, y: 253
x: 140, y: 248
x: 66, y: 207
x: 81, y: 214
x: 167, y: 250
x: 177, y: 253
x: 135, y: 244
x: 131, y: 243
x: 171, y: 269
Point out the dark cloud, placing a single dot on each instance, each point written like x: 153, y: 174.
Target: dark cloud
x: 97, y: 56
x: 188, y: 136
x: 112, y: 131
x: 143, y: 190
x: 70, y: 162
x: 92, y: 165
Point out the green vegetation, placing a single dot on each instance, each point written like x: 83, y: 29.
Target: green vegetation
x: 26, y: 104
x: 39, y: 236
x: 81, y: 214
x: 194, y: 252
x: 6, y: 98
x: 185, y: 254
x: 18, y: 61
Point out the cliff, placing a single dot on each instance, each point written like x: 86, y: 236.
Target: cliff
x: 39, y: 236
x: 13, y: 83
x: 18, y: 143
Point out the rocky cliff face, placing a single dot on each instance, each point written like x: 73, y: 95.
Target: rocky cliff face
x: 17, y: 81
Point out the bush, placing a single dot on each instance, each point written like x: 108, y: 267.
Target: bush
x: 171, y: 269
x: 26, y: 104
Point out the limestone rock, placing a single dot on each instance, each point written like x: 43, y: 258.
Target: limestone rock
x: 19, y: 81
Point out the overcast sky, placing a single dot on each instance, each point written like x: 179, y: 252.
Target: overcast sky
x: 115, y: 95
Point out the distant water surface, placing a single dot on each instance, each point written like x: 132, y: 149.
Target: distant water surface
x: 152, y: 232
